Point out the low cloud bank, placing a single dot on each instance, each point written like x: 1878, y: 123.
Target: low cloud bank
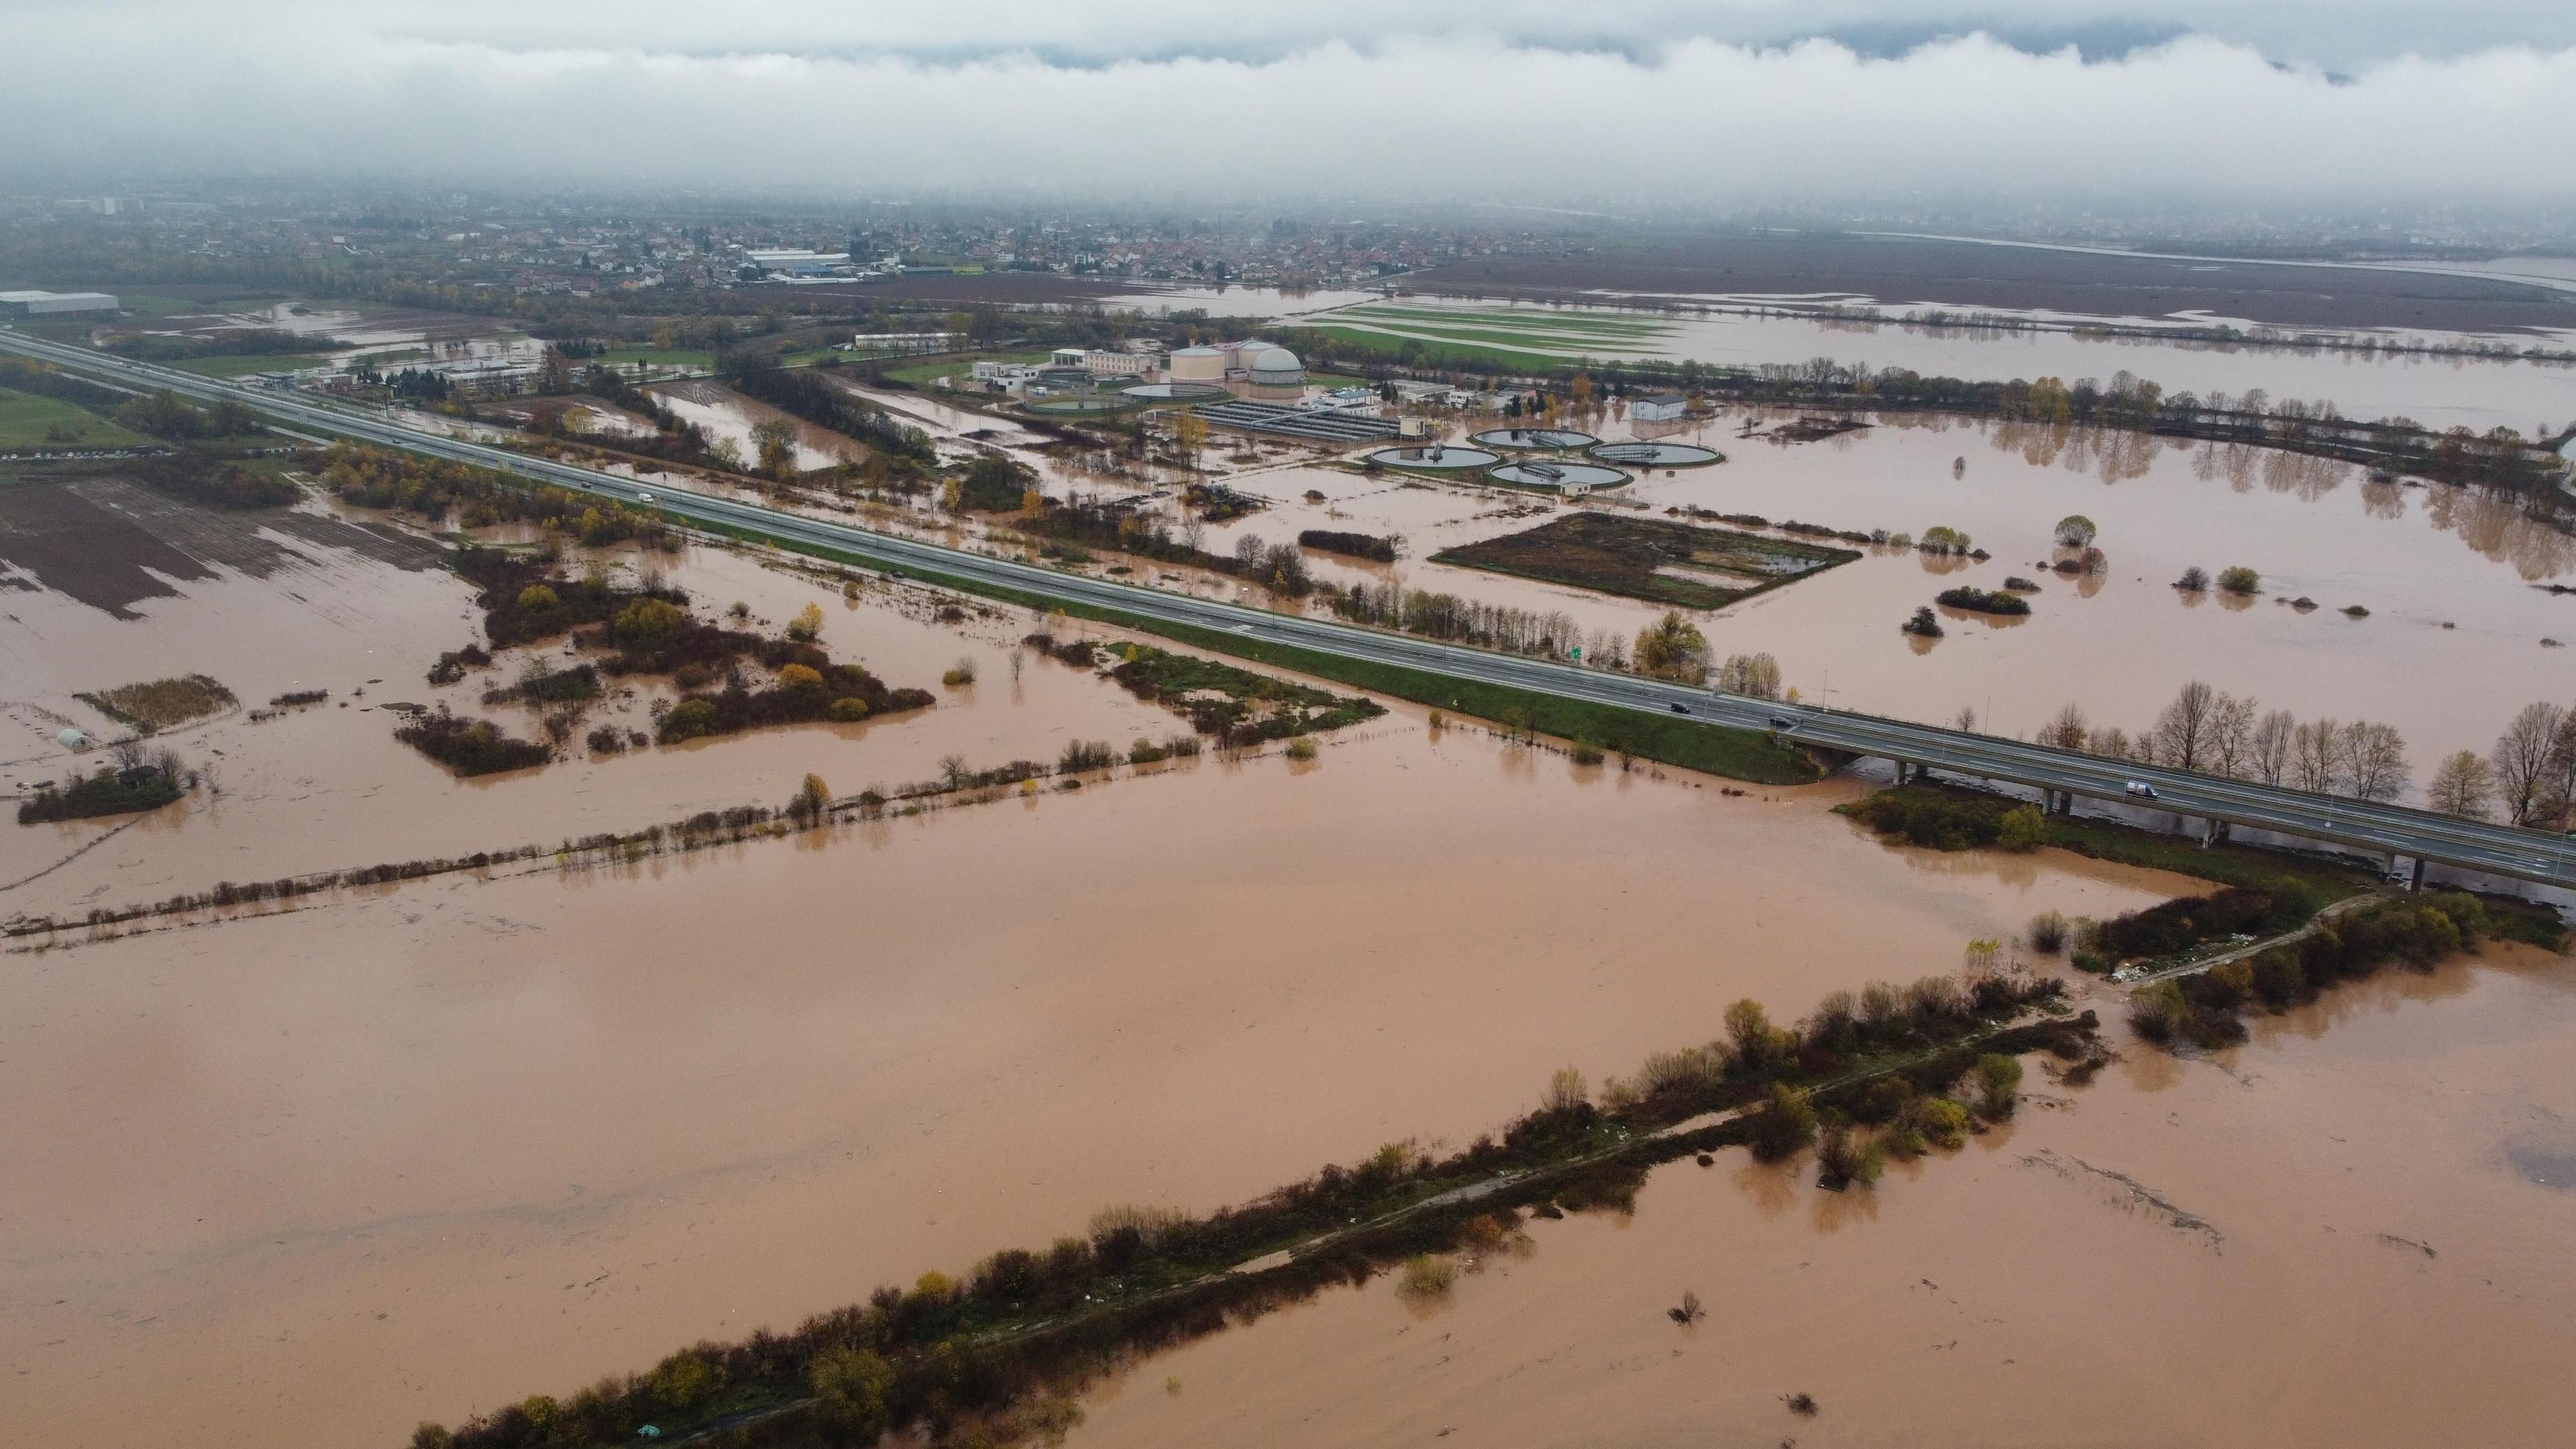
x: 1445, y: 119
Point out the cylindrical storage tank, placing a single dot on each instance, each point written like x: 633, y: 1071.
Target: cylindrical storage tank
x: 1275, y: 369
x: 1198, y: 364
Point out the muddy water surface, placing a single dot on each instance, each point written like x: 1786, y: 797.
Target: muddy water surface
x: 314, y: 1177
x: 2416, y: 559
x: 329, y: 788
x: 2323, y: 1238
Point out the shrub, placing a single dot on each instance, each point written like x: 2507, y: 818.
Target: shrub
x: 1783, y: 1126
x: 846, y: 711
x: 1357, y: 545
x: 1146, y: 752
x: 606, y: 740
x: 2048, y: 932
x: 960, y: 674
x: 2240, y: 580
x: 807, y: 626
x: 2180, y: 924
x: 2194, y: 580
x: 1998, y: 1081
x: 1427, y: 1275
x: 470, y: 747
x: 852, y: 1384
x: 688, y: 720
x: 1924, y: 625
x: 2023, y: 829
x: 109, y: 792
x: 2158, y: 1012
x: 1586, y: 753
x: 536, y: 598
x: 1940, y: 1121
x: 1082, y: 755
x: 1844, y: 1159
x: 1302, y: 748
x: 1982, y: 601
x: 800, y: 676
x: 647, y: 620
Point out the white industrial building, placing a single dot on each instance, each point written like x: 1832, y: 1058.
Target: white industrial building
x: 48, y: 304
x: 1661, y: 407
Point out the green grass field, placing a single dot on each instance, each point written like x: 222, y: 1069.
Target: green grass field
x: 920, y: 374
x: 29, y: 421
x: 661, y: 357
x: 1572, y: 343
x: 245, y: 366
x: 1520, y: 319
x: 1445, y: 354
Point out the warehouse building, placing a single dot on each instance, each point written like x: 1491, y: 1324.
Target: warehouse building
x: 50, y: 304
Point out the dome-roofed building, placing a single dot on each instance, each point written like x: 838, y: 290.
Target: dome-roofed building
x: 1275, y: 373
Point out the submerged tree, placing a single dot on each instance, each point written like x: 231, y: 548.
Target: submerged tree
x: 2462, y: 785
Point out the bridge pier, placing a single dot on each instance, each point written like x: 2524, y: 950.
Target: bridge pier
x: 2415, y: 878
x: 2212, y: 832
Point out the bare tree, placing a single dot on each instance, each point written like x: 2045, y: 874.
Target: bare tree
x: 2067, y: 730
x: 1966, y: 721
x: 2111, y: 743
x: 2181, y: 734
x: 2462, y: 786
x: 2522, y: 758
x: 2231, y: 736
x: 2559, y: 785
x: 1248, y: 549
x: 2267, y: 751
x: 2316, y: 762
x: 2373, y: 760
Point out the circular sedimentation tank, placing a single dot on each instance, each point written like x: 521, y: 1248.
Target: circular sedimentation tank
x: 1078, y: 406
x: 1435, y: 458
x: 1656, y: 455
x: 1178, y: 390
x: 1535, y: 439
x: 1559, y: 475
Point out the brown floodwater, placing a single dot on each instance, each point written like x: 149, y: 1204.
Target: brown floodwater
x: 315, y: 1176
x: 325, y: 788
x: 2418, y: 559
x: 2343, y: 1233
x: 728, y: 416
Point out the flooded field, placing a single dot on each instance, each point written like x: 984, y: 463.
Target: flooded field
x: 276, y: 602
x: 2438, y: 391
x: 2416, y: 558
x: 316, y: 1176
x: 2348, y: 1232
x: 729, y: 417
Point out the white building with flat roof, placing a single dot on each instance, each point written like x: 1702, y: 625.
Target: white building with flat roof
x: 48, y: 304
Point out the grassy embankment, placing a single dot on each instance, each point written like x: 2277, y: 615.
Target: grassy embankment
x: 1672, y: 740
x: 244, y: 366
x: 1949, y: 817
x: 30, y: 422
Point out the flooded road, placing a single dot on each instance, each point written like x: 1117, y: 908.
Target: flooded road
x: 314, y: 1177
x: 2321, y: 1238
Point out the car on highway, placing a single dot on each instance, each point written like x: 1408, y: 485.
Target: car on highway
x: 1783, y: 722
x: 643, y: 497
x: 2141, y: 790
x: 1678, y: 707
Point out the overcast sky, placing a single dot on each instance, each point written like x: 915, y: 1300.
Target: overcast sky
x: 1735, y: 102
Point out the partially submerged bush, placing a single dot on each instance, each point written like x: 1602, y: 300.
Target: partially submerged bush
x: 1427, y: 1275
x: 2048, y: 932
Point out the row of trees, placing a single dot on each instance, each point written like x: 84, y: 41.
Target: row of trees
x: 2529, y: 777
x: 2218, y: 733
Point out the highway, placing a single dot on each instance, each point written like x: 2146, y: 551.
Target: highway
x: 2389, y: 830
